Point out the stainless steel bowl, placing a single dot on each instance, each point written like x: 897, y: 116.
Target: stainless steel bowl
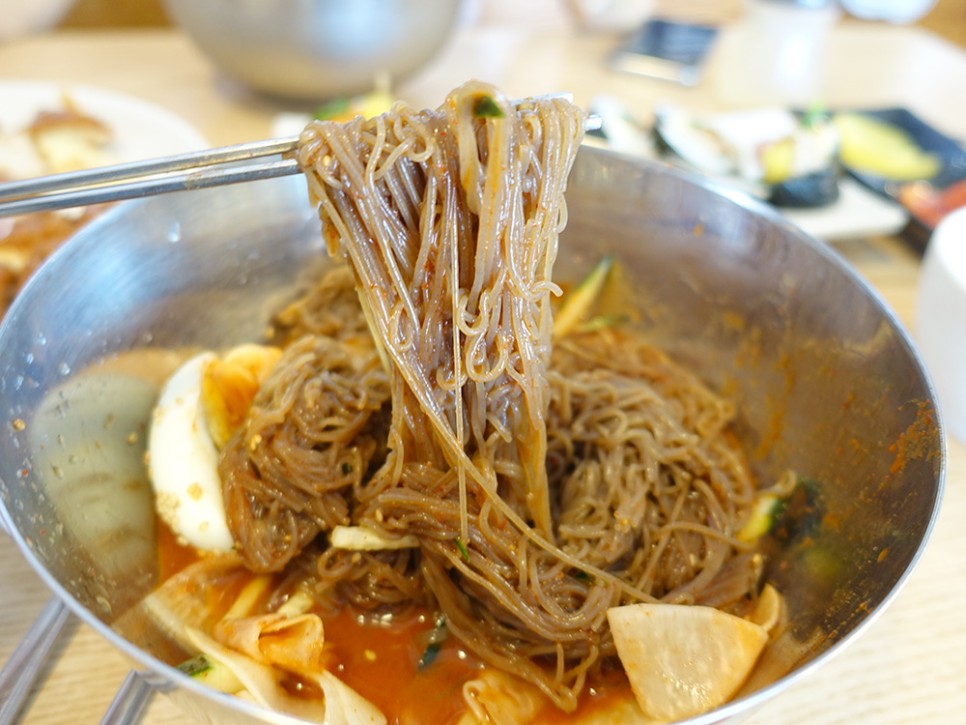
x: 826, y: 380
x: 316, y: 49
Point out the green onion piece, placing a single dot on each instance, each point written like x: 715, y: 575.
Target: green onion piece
x: 486, y: 107
x: 436, y: 637
x: 762, y: 518
x: 814, y: 115
x: 195, y: 666
x: 212, y: 673
x: 464, y: 552
x: 599, y: 322
x: 331, y: 109
x: 429, y: 655
x: 579, y: 303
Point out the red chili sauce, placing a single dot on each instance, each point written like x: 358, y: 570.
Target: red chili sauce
x: 384, y: 660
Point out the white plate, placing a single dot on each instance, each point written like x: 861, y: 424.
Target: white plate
x: 858, y: 212
x: 141, y: 129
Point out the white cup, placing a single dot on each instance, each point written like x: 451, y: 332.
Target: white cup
x: 941, y: 318
x: 774, y: 56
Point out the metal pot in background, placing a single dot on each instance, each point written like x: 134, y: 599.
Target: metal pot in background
x: 313, y: 50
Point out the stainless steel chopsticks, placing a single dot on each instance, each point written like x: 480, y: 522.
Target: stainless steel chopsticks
x: 192, y: 170
x: 135, y: 179
x: 28, y: 660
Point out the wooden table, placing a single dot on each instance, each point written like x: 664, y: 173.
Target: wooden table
x: 910, y: 666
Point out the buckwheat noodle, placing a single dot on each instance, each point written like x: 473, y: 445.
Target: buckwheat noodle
x: 421, y: 393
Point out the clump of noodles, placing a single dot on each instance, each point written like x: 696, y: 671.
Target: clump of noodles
x: 315, y: 427
x: 543, y: 483
x: 648, y: 480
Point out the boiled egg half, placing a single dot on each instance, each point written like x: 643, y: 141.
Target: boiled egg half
x: 199, y: 409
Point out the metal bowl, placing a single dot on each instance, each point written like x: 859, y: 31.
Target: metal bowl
x: 316, y: 49
x: 826, y: 381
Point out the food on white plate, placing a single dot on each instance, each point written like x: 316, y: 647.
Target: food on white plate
x: 789, y: 159
x: 377, y: 101
x: 69, y: 140
x: 57, y: 140
x: 427, y: 487
x: 873, y: 146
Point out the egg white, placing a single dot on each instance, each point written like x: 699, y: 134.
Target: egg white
x: 183, y: 462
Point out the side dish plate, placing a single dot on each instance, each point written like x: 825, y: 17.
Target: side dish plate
x: 141, y: 129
